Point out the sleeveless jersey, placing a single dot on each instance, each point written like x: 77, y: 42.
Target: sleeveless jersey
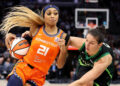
x: 86, y: 63
x: 43, y: 50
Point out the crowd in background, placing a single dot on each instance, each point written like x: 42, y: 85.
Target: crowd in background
x: 66, y: 22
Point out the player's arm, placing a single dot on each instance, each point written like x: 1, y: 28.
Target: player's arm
x: 61, y: 59
x: 98, y: 68
x: 73, y: 41
x: 31, y: 33
x: 76, y: 41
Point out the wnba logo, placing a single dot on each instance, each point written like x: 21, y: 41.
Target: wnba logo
x: 56, y: 39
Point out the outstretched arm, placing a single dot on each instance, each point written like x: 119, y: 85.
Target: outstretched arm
x: 31, y: 33
x: 76, y: 41
x: 98, y: 68
x: 73, y: 41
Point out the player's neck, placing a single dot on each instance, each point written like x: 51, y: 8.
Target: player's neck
x: 94, y: 53
x: 51, y: 29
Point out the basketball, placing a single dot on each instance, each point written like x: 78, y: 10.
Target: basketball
x: 19, y: 47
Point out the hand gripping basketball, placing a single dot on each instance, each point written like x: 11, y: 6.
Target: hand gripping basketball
x: 19, y: 47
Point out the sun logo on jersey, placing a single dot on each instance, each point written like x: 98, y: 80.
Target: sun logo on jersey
x: 56, y: 39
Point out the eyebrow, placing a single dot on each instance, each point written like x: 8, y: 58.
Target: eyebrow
x: 91, y: 41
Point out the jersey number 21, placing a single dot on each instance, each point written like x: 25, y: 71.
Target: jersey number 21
x: 43, y: 50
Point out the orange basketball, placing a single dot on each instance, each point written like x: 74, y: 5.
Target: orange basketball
x: 19, y: 48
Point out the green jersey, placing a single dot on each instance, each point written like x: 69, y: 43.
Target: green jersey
x: 86, y: 62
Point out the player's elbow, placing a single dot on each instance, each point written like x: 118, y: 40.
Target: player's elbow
x: 59, y: 66
x: 110, y: 60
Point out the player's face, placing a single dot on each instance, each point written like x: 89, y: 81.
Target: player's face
x: 51, y: 16
x: 92, y: 45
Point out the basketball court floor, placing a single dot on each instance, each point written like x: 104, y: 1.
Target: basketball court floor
x: 4, y: 82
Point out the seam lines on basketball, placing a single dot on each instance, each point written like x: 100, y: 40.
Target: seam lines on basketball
x: 20, y: 42
x: 19, y: 54
x: 10, y: 44
x: 20, y: 49
x: 12, y: 47
x: 16, y: 44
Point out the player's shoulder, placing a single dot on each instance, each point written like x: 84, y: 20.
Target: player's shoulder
x: 107, y: 48
x: 62, y: 33
x: 106, y: 45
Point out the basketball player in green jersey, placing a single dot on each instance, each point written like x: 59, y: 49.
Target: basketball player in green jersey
x: 95, y: 66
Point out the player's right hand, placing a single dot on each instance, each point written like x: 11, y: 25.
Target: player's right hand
x: 9, y: 37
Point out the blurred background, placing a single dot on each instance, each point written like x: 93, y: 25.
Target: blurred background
x: 76, y: 18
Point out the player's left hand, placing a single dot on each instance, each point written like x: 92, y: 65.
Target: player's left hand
x: 75, y: 83
x: 61, y: 44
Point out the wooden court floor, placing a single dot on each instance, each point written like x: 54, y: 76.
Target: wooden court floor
x: 4, y: 82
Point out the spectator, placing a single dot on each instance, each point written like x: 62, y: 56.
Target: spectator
x: 6, y: 67
x: 73, y: 74
x: 6, y: 54
x: 118, y: 70
x: 53, y: 70
x: 1, y: 66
